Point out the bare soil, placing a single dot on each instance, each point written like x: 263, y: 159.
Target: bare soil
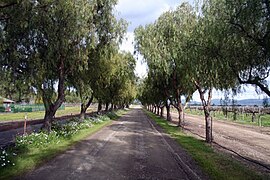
x: 131, y: 148
x: 243, y: 141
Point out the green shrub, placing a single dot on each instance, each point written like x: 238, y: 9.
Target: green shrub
x: 2, y: 109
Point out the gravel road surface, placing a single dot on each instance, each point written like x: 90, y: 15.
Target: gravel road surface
x: 250, y: 142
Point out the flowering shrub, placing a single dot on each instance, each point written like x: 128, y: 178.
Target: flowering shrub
x: 40, y: 139
x: 6, y: 158
x: 100, y: 119
x: 43, y: 139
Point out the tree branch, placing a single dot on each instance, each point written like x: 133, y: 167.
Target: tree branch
x: 7, y: 5
x: 255, y: 81
x: 239, y: 26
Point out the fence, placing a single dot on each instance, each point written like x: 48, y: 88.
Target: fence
x: 31, y: 108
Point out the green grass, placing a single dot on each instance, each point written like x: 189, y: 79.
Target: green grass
x: 215, y: 165
x: 39, y: 114
x: 34, y: 157
x: 240, y: 118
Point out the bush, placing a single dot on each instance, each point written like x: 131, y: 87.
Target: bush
x: 112, y: 115
x: 59, y: 133
x: 2, y: 109
x: 6, y: 158
x: 40, y: 139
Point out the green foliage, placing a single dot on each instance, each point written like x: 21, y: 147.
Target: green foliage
x: 116, y: 79
x: 49, y: 45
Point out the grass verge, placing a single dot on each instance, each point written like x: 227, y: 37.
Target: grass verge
x: 215, y: 165
x: 33, y: 156
x: 40, y: 114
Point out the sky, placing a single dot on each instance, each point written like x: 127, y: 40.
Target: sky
x: 142, y: 12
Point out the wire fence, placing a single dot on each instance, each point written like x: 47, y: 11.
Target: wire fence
x: 26, y: 108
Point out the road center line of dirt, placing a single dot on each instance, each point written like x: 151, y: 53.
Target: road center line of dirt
x: 178, y: 159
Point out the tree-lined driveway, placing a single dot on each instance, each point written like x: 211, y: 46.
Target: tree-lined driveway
x: 130, y: 148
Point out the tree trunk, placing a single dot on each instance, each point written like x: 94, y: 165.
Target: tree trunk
x: 179, y: 108
x: 253, y: 117
x: 158, y: 110
x: 181, y: 116
x: 208, y: 125
x: 107, y: 106
x: 48, y: 119
x: 99, y: 107
x: 206, y: 108
x: 50, y: 107
x: 161, y: 111
x: 169, y: 118
x: 84, y: 108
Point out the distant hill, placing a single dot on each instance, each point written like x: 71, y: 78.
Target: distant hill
x: 243, y: 102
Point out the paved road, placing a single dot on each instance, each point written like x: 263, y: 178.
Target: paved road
x: 8, y: 137
x: 130, y: 148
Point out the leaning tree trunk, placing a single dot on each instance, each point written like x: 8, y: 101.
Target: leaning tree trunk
x: 50, y: 107
x: 84, y: 108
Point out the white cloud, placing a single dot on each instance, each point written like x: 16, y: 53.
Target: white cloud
x: 141, y: 12
x: 128, y: 46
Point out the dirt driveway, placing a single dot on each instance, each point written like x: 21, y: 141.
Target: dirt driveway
x: 249, y: 141
x: 130, y: 148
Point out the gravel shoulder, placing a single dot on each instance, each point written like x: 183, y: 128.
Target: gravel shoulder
x: 131, y: 148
